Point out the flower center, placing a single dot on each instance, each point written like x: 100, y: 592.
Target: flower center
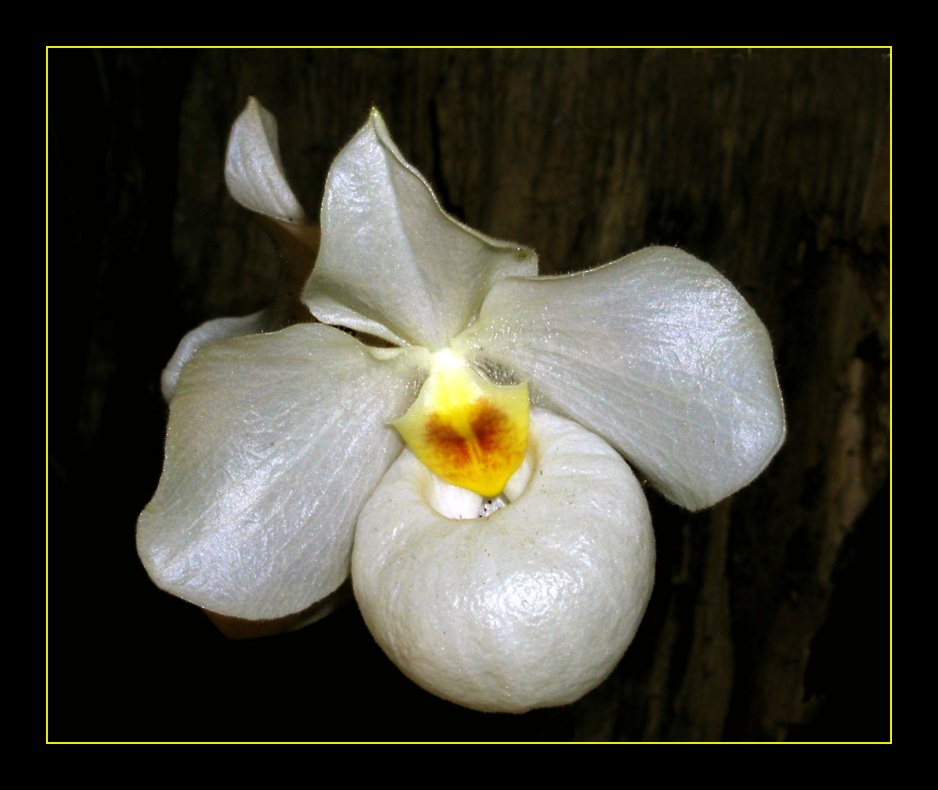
x: 470, y: 432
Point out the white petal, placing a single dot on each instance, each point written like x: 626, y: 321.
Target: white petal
x: 659, y: 354
x: 531, y: 606
x: 216, y: 329
x: 392, y: 263
x: 253, y: 171
x: 274, y: 443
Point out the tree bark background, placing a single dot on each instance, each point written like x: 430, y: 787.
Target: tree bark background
x: 770, y: 618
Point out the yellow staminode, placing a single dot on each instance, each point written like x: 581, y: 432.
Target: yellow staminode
x: 467, y: 430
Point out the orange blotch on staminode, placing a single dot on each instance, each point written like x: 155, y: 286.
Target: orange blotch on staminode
x: 451, y: 447
x: 468, y: 431
x: 489, y: 426
x: 471, y: 447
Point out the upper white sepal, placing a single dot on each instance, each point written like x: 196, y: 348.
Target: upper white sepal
x: 253, y: 171
x: 392, y: 262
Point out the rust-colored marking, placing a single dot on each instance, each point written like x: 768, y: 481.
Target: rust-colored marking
x: 447, y: 442
x: 489, y: 427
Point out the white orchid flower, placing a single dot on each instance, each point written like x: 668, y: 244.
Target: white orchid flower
x: 504, y: 557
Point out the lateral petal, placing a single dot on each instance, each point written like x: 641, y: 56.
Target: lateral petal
x: 274, y: 444
x: 392, y: 262
x: 658, y: 353
x: 192, y: 341
x: 531, y: 606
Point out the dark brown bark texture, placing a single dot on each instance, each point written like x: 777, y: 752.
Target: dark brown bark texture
x: 770, y: 618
